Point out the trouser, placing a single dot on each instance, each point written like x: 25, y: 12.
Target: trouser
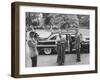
x: 61, y: 54
x: 78, y: 54
x: 70, y: 47
x: 34, y: 61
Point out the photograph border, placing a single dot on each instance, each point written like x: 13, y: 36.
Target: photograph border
x: 15, y: 32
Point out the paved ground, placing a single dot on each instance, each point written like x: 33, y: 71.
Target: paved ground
x: 50, y: 60
x: 70, y: 59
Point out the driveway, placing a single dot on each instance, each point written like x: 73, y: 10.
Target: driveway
x: 70, y: 59
x: 50, y: 60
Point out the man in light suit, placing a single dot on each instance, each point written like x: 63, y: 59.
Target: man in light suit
x: 32, y: 43
x: 77, y: 44
x: 61, y: 45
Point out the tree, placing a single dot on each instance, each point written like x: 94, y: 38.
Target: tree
x: 84, y: 20
x: 64, y: 21
x: 33, y: 20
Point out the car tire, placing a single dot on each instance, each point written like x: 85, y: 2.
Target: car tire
x: 47, y: 51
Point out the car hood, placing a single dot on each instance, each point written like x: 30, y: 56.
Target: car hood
x: 43, y: 34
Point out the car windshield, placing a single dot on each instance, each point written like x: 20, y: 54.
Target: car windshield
x: 53, y: 38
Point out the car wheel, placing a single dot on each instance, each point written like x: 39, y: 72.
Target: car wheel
x: 47, y: 50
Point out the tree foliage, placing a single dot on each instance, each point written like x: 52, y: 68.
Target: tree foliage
x: 56, y: 20
x: 84, y: 20
x: 63, y: 21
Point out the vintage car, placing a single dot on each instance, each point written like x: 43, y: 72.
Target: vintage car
x: 48, y: 45
x: 85, y: 43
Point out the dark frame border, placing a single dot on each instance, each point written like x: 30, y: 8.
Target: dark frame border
x: 15, y: 38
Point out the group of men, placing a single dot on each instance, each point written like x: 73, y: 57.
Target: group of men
x: 61, y: 46
x: 63, y: 43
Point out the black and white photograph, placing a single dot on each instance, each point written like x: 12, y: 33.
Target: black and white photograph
x: 51, y: 39
x: 54, y: 39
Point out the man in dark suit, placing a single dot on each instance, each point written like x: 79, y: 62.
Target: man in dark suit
x: 77, y: 44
